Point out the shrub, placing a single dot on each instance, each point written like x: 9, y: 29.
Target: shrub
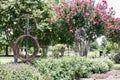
x: 99, y: 66
x: 65, y: 68
x: 94, y: 46
x: 109, y: 62
x: 82, y: 67
x: 93, y: 55
x: 58, y: 50
x: 19, y: 72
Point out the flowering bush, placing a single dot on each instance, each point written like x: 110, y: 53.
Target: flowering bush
x: 96, y: 19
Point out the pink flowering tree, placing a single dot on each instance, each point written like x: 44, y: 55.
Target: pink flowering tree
x: 113, y: 31
x: 95, y: 18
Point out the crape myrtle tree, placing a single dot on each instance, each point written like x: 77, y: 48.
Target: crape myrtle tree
x: 73, y: 14
x: 11, y: 10
x: 113, y: 31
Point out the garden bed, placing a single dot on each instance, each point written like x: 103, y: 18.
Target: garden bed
x: 110, y: 75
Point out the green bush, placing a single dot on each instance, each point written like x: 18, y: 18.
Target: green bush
x: 109, y: 62
x: 99, y: 66
x: 93, y: 55
x: 19, y: 72
x: 94, y: 46
x: 58, y: 50
x: 82, y: 67
x: 66, y: 68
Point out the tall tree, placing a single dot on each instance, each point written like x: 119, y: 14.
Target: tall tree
x: 10, y: 11
x: 74, y: 14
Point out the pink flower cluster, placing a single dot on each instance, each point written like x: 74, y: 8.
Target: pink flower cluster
x: 89, y: 11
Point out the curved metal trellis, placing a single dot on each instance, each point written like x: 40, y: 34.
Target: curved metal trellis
x: 26, y: 36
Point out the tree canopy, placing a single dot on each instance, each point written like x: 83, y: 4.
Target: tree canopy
x: 97, y: 19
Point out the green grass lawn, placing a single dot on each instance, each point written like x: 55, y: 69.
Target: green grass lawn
x: 4, y: 60
x: 116, y: 67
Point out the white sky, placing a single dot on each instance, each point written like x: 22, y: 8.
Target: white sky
x: 115, y: 4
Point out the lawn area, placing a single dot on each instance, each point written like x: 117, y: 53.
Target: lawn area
x: 4, y: 60
x: 116, y: 67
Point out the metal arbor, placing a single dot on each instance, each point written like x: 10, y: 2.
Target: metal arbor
x: 80, y: 35
x: 16, y: 47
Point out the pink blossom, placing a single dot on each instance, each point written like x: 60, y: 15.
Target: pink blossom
x: 66, y: 3
x: 52, y: 7
x: 74, y: 21
x: 74, y: 8
x: 118, y: 27
x: 76, y: 1
x: 51, y: 21
x: 107, y: 33
x: 103, y: 0
x: 83, y: 0
x: 94, y: 22
x: 113, y: 32
x: 71, y: 31
x: 87, y: 14
x: 70, y: 26
x: 73, y: 12
x: 104, y: 19
x: 67, y: 20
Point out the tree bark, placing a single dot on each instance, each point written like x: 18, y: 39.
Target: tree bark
x: 44, y: 51
x: 6, y: 50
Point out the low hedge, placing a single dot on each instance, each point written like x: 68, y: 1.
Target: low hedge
x: 101, y: 61
x: 19, y: 72
x: 66, y: 68
x: 99, y: 67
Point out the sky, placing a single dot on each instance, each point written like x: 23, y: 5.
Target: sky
x: 115, y: 4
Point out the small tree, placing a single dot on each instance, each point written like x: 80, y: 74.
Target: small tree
x: 81, y: 14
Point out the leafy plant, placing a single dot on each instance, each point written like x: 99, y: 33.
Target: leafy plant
x: 19, y: 72
x: 94, y: 46
x: 66, y: 68
x: 99, y: 66
x: 58, y: 50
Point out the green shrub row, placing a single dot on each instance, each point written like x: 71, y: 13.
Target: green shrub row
x: 68, y: 68
x: 19, y: 72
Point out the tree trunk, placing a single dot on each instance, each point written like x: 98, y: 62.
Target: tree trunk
x: 6, y: 50
x: 119, y: 41
x: 81, y: 49
x: 44, y: 51
x: 62, y: 50
x: 85, y: 51
x: 68, y: 50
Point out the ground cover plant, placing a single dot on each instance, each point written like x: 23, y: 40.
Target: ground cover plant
x: 18, y: 71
